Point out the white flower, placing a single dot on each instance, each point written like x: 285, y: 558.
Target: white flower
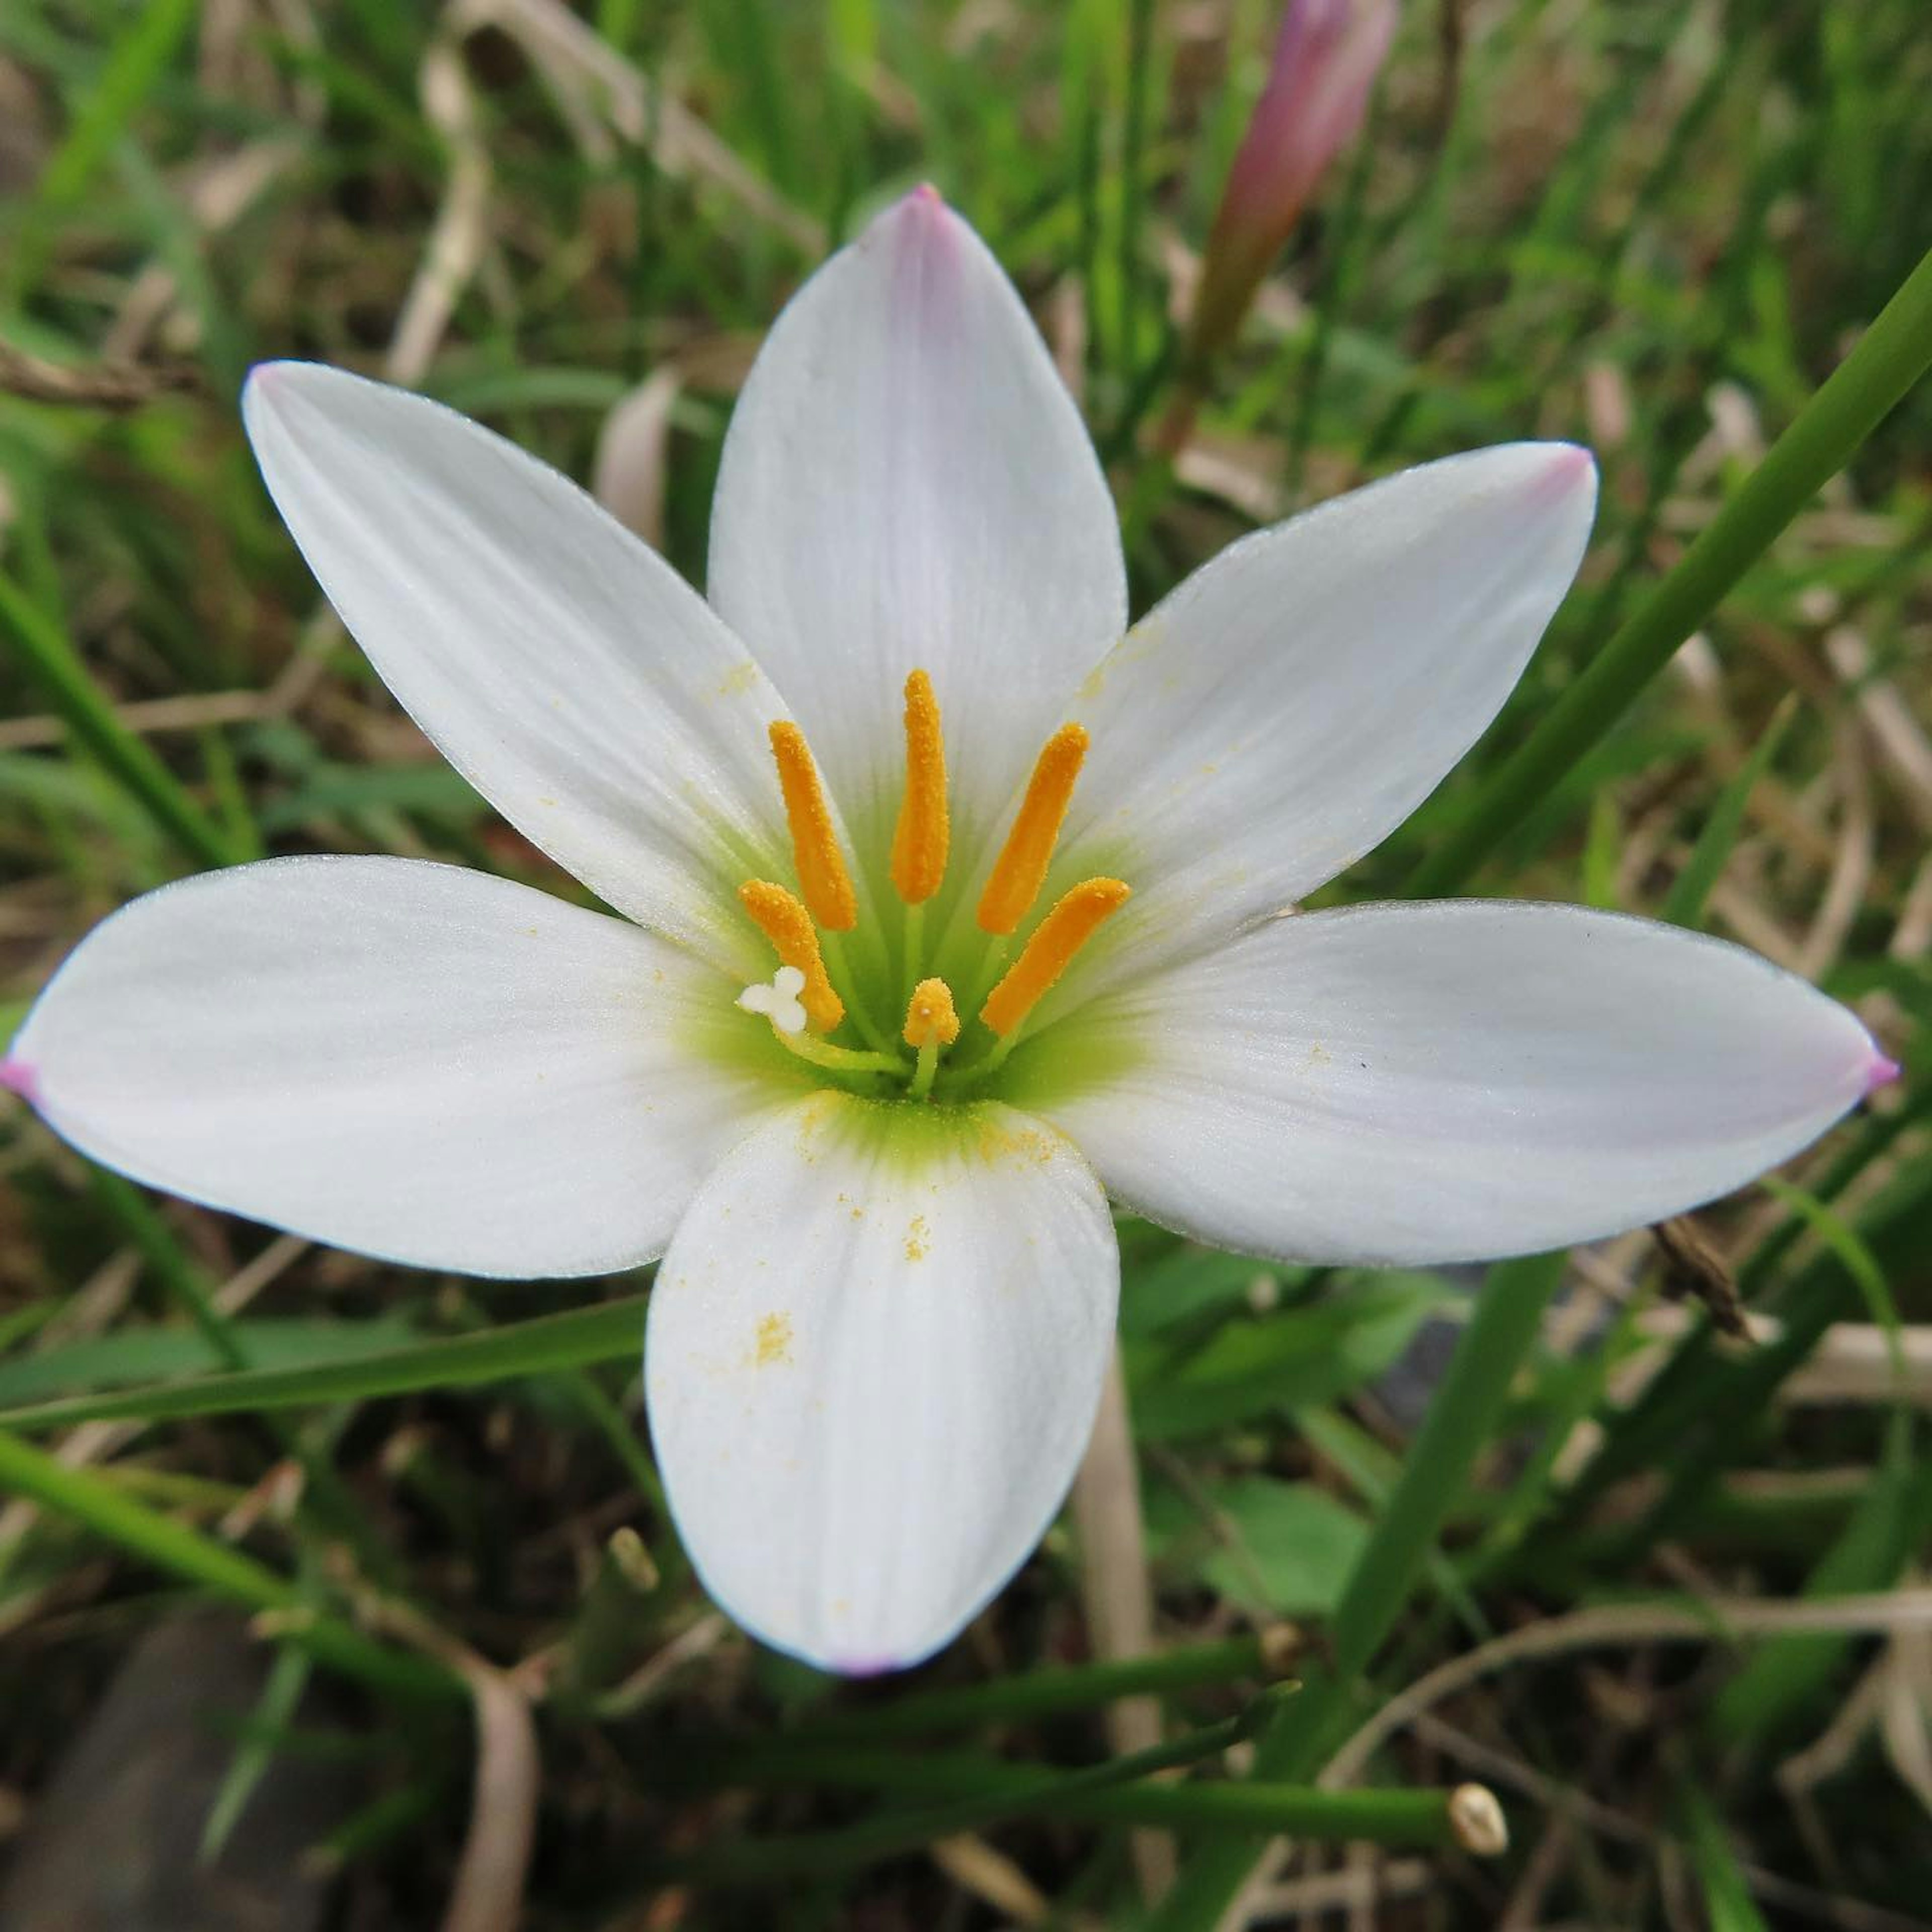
x: 889, y: 1275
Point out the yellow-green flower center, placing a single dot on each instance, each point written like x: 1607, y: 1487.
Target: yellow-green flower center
x: 820, y: 1009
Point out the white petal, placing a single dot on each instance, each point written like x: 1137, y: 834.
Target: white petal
x: 418, y: 1062
x: 907, y: 484
x: 560, y: 665
x: 1292, y: 702
x: 873, y: 1357
x: 1450, y: 1081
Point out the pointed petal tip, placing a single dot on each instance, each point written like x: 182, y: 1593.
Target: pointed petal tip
x: 17, y: 1077
x: 1568, y: 468
x: 921, y: 219
x: 1882, y: 1071
x: 265, y: 380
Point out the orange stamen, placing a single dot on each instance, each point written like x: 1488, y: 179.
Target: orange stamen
x: 920, y: 843
x: 823, y: 880
x: 1075, y: 918
x: 1020, y: 871
x: 787, y: 924
x: 931, y: 1019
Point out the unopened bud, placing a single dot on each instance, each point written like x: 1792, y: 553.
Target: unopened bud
x: 1326, y: 59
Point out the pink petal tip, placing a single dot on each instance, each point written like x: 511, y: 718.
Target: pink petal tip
x: 861, y: 1667
x: 17, y: 1077
x: 1569, y: 466
x: 1882, y: 1073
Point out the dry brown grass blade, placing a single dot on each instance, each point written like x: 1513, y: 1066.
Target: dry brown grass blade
x: 1851, y: 872
x: 216, y: 192
x: 991, y: 1877
x: 147, y: 716
x: 456, y: 243
x: 628, y: 474
x: 102, y: 386
x: 1896, y: 733
x: 488, y: 1894
x: 1117, y: 1594
x: 1715, y: 1620
x: 593, y: 83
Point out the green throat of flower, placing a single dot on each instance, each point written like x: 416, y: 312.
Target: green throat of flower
x: 882, y: 1019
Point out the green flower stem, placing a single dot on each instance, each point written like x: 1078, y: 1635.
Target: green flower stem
x: 754, y: 1860
x: 1371, y: 1817
x: 1503, y: 1327
x: 1037, y: 1693
x: 1890, y: 357
x: 607, y: 1332
x: 86, y: 1498
x: 49, y: 658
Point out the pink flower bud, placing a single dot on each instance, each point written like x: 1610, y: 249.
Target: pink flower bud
x: 1326, y: 59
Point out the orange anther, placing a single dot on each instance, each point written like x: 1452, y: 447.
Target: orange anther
x: 823, y: 880
x: 1075, y: 917
x: 1020, y: 871
x: 919, y: 844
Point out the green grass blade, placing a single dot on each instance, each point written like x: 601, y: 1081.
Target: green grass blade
x: 1684, y: 904
x: 610, y: 1331
x: 84, y: 1497
x: 1503, y: 1327
x: 132, y: 69
x: 1889, y: 359
x: 1727, y: 1900
x: 50, y: 659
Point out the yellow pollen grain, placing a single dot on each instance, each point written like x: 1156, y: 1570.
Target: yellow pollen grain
x: 1020, y: 871
x: 774, y: 1342
x: 920, y: 843
x: 1076, y: 916
x: 787, y: 924
x: 931, y: 1019
x: 919, y: 1239
x: 823, y: 880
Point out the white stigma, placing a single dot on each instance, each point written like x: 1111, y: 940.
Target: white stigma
x: 779, y: 1002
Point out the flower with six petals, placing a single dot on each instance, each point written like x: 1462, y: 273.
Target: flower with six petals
x: 950, y: 906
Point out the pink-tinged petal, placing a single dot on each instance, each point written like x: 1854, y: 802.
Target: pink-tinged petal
x: 18, y: 1078
x: 558, y: 663
x: 1882, y: 1073
x: 1448, y: 1082
x: 907, y: 484
x: 1297, y: 698
x: 424, y: 1063
x: 873, y: 1358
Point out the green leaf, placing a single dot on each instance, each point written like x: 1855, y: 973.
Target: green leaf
x: 1293, y: 1358
x: 1286, y: 1548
